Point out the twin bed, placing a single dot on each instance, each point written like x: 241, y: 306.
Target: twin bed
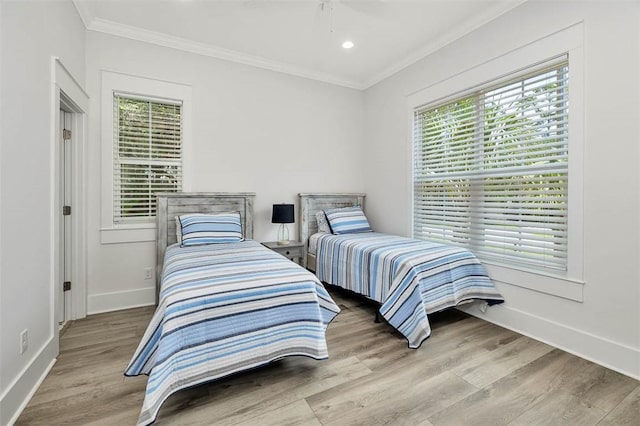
x: 230, y: 304
x: 223, y: 307
x: 410, y: 278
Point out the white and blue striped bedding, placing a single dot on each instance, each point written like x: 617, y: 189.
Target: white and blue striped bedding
x: 410, y: 278
x: 213, y: 228
x: 225, y: 308
x: 347, y: 220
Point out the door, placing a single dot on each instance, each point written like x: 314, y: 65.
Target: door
x: 65, y: 212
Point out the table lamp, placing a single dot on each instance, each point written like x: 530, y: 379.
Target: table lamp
x: 282, y: 214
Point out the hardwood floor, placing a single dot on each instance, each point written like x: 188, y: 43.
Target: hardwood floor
x: 468, y: 372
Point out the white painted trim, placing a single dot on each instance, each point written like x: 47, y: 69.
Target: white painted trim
x: 142, y: 86
x: 537, y: 281
x: 608, y: 353
x: 577, y: 142
x: 54, y: 202
x: 179, y: 43
x: 450, y: 37
x: 118, y: 300
x: 409, y: 176
x: 569, y: 40
x: 19, y: 392
x: 63, y: 81
x: 71, y: 87
x: 162, y: 39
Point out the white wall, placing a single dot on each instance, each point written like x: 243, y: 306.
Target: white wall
x: 605, y: 327
x: 253, y: 130
x: 31, y: 33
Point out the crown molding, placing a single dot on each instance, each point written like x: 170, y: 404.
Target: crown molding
x: 161, y: 39
x: 179, y: 43
x: 438, y: 44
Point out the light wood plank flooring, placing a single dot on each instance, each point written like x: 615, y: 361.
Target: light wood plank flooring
x: 468, y: 372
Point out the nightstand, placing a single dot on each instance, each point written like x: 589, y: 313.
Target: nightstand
x: 292, y: 250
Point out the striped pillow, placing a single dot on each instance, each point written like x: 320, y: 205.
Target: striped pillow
x: 347, y: 220
x: 198, y: 228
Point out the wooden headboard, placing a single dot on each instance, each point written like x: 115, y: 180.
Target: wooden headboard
x: 172, y: 204
x: 310, y: 204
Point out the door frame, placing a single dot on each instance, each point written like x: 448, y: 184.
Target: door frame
x: 68, y: 94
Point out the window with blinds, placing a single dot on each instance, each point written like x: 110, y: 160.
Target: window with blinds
x: 147, y: 155
x: 491, y: 170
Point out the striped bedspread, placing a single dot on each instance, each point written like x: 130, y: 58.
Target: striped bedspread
x: 225, y: 308
x: 410, y: 278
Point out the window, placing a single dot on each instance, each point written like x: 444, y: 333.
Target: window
x: 147, y: 155
x: 490, y: 170
x: 146, y: 148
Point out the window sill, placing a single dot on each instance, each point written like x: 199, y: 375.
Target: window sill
x: 137, y: 234
x: 554, y: 285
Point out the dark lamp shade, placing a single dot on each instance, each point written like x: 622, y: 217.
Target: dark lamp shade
x: 282, y: 213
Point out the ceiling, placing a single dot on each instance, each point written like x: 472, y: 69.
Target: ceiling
x: 300, y: 37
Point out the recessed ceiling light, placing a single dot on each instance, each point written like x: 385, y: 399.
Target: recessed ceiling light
x: 347, y: 44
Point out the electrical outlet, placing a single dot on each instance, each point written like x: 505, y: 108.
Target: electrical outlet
x: 147, y: 273
x: 24, y: 341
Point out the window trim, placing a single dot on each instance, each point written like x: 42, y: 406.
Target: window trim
x: 568, y: 41
x: 146, y: 88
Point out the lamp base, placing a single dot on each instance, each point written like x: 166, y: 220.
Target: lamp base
x: 283, y: 235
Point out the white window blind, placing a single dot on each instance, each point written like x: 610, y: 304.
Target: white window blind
x: 491, y: 170
x: 147, y: 155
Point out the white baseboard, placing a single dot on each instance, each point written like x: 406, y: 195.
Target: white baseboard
x: 118, y: 300
x: 613, y: 355
x: 18, y: 394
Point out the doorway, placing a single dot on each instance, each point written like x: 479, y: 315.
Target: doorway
x: 69, y: 107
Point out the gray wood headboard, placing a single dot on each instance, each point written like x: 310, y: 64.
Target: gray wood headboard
x: 172, y: 204
x: 311, y: 203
